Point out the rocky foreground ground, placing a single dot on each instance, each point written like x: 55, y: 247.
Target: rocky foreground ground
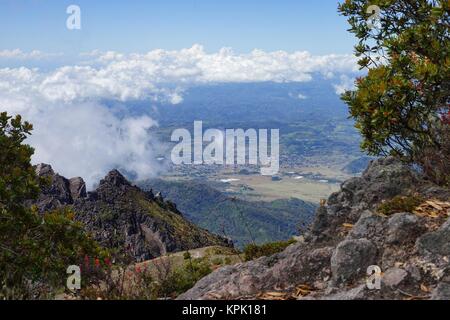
x: 412, y: 249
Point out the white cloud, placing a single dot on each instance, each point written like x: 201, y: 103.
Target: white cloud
x: 298, y: 96
x: 195, y: 65
x: 18, y: 54
x: 88, y: 140
x: 346, y: 83
x: 81, y: 137
x: 162, y: 75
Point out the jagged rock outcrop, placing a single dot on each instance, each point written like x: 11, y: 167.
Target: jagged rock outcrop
x: 57, y: 190
x: 347, y: 236
x: 122, y: 216
x: 77, y: 188
x: 383, y: 179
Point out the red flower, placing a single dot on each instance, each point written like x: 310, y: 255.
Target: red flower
x: 97, y: 262
x: 446, y: 118
x: 86, y: 261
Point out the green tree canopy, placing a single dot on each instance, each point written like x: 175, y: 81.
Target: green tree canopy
x: 401, y: 106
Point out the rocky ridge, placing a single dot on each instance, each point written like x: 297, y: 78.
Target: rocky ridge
x: 348, y: 236
x: 122, y: 217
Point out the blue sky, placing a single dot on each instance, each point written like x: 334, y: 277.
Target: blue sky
x: 140, y: 26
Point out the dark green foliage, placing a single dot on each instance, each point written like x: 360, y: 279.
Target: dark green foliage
x: 402, y: 106
x: 17, y: 178
x: 187, y: 255
x: 253, y: 251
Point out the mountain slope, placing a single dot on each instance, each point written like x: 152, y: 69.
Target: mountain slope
x: 125, y: 218
x: 242, y: 221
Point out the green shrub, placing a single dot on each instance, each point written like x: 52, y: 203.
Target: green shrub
x: 187, y: 255
x: 400, y: 204
x: 253, y: 251
x: 183, y: 278
x: 217, y: 261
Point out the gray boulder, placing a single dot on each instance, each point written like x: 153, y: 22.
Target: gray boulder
x: 351, y: 259
x: 393, y: 277
x: 442, y: 291
x: 370, y: 226
x: 358, y: 293
x: 437, y: 242
x: 403, y: 228
x: 282, y: 271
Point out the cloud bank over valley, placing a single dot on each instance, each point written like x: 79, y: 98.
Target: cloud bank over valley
x: 81, y: 135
